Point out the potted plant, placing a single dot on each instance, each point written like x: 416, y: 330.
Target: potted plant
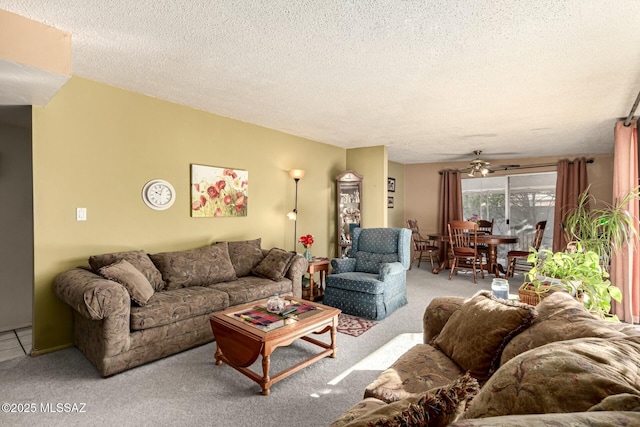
x: 577, y: 271
x: 602, y: 230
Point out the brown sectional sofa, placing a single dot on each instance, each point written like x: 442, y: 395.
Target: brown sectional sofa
x: 130, y: 308
x: 490, y: 362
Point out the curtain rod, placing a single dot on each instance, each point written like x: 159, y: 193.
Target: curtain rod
x: 632, y: 112
x: 541, y: 165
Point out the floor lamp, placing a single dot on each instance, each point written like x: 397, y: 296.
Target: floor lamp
x: 297, y: 175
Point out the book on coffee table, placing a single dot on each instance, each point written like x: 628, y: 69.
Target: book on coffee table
x: 260, y: 318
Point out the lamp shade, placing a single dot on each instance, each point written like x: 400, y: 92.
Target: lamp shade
x: 296, y: 173
x: 292, y: 215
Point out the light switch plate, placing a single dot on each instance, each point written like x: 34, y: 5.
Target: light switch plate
x: 81, y: 214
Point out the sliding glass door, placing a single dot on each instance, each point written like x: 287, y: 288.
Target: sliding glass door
x: 515, y: 203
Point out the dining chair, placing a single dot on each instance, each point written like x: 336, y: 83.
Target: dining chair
x: 422, y: 247
x: 517, y: 259
x: 484, y: 227
x: 463, y: 241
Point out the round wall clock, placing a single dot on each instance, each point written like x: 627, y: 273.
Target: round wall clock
x: 158, y: 194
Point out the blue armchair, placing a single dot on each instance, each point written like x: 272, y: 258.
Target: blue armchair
x: 372, y: 282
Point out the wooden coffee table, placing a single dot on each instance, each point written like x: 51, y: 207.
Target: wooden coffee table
x: 239, y: 343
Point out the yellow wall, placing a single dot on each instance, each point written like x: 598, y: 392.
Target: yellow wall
x: 95, y: 146
x: 372, y: 164
x: 422, y: 184
x: 396, y: 215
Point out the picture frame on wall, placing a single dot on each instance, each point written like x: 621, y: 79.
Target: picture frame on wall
x: 218, y: 192
x: 390, y: 202
x: 391, y: 185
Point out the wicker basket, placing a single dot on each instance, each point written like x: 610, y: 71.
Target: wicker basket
x: 531, y: 297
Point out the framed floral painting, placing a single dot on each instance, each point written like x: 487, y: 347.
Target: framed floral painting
x: 218, y: 192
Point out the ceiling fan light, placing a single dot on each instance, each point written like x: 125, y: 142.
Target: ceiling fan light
x: 472, y: 173
x: 485, y: 171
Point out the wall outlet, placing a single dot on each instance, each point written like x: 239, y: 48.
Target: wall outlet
x: 81, y: 214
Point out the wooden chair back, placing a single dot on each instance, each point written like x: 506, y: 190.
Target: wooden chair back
x: 485, y: 226
x: 463, y: 238
x: 537, y: 238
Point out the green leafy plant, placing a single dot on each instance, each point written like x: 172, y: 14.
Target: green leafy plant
x: 577, y: 271
x: 602, y: 230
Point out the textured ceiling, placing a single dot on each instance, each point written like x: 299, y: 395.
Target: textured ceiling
x: 432, y: 80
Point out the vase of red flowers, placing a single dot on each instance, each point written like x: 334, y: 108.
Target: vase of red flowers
x: 307, y: 241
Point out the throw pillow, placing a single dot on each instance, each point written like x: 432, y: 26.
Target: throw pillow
x: 196, y: 267
x: 560, y: 318
x: 564, y: 376
x: 245, y: 255
x: 437, y: 407
x: 139, y: 259
x: 478, y: 331
x: 275, y: 265
x: 131, y: 278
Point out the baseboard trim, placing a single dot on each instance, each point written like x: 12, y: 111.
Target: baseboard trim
x: 36, y: 352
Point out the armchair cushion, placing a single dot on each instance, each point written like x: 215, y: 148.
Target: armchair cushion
x: 343, y: 265
x: 139, y: 259
x: 368, y: 262
x: 275, y: 265
x: 131, y: 278
x: 389, y: 269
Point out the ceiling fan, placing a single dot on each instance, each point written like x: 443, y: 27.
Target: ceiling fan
x: 480, y: 167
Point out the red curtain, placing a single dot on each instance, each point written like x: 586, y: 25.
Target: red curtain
x: 571, y: 181
x: 625, y: 264
x: 450, y: 202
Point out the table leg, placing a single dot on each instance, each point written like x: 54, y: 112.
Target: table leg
x: 334, y: 328
x: 218, y: 355
x: 494, y: 266
x: 266, y: 381
x: 443, y: 260
x: 312, y: 285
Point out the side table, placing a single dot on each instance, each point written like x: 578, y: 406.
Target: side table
x: 316, y: 289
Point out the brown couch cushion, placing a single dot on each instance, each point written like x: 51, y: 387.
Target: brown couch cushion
x: 436, y: 407
x: 245, y: 255
x: 478, y: 331
x: 419, y: 369
x: 275, y: 265
x: 560, y: 318
x: 566, y: 376
x: 196, y: 267
x: 575, y: 419
x: 619, y: 402
x: 131, y: 278
x: 251, y: 288
x: 175, y: 305
x: 139, y: 259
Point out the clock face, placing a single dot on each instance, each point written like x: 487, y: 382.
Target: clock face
x: 158, y: 194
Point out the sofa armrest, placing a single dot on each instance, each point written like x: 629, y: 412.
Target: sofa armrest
x: 343, y: 265
x: 297, y: 269
x: 91, y: 295
x: 389, y: 269
x: 437, y: 314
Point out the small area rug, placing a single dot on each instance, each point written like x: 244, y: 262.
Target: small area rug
x: 354, y: 326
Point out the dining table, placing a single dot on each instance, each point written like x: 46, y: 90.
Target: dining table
x: 491, y: 240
